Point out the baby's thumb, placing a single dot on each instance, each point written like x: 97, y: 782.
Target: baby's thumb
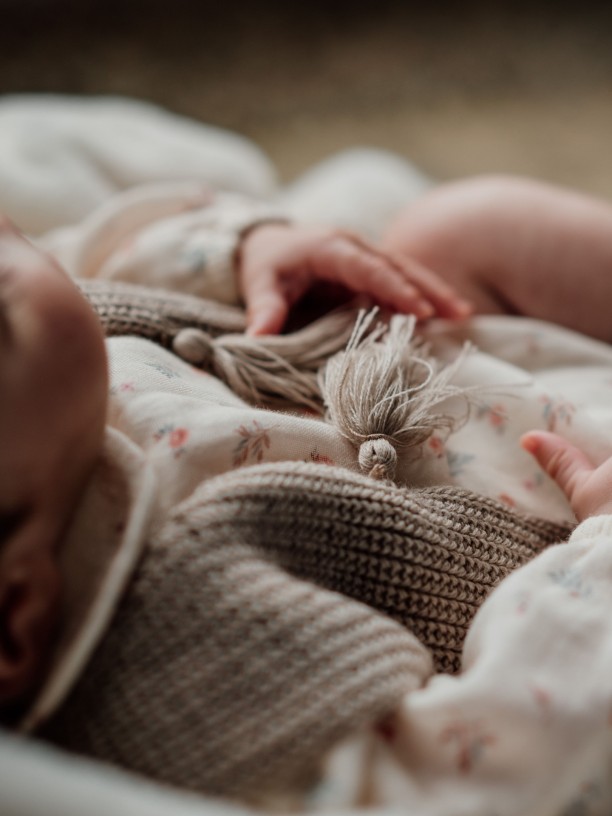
x: 563, y: 462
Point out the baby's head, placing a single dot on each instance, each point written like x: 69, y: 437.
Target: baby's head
x: 53, y: 385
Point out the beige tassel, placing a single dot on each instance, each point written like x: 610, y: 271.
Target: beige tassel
x: 382, y: 392
x: 270, y: 370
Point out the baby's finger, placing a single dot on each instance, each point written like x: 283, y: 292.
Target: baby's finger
x: 563, y: 462
x: 266, y: 305
x: 349, y: 262
x: 446, y: 301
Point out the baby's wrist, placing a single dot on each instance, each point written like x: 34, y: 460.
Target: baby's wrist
x: 228, y: 221
x: 258, y: 233
x: 254, y: 240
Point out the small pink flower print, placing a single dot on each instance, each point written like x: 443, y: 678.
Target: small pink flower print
x: 506, y: 499
x: 320, y: 458
x: 556, y: 412
x: 436, y: 446
x: 178, y: 437
x: 471, y: 741
x: 122, y: 388
x: 496, y: 415
x: 537, y: 480
x: 252, y: 444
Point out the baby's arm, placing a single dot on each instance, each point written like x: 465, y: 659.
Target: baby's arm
x: 516, y: 246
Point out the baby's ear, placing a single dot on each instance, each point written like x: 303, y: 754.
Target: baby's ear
x: 29, y: 594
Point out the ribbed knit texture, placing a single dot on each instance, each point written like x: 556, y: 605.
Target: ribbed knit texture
x: 226, y: 673
x: 156, y: 314
x: 426, y: 557
x: 272, y: 370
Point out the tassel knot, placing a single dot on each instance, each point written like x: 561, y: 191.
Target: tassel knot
x: 378, y: 457
x: 385, y: 393
x: 195, y: 347
x: 269, y: 370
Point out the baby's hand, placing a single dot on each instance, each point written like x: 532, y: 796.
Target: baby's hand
x: 279, y: 263
x: 588, y: 488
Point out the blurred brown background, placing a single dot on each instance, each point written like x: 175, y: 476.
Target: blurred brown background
x: 459, y: 88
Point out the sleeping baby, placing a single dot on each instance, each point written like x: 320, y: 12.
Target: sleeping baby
x: 210, y: 593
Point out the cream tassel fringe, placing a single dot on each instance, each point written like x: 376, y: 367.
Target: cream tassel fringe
x: 271, y: 370
x: 382, y: 392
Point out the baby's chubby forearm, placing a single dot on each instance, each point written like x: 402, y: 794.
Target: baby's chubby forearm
x: 516, y: 246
